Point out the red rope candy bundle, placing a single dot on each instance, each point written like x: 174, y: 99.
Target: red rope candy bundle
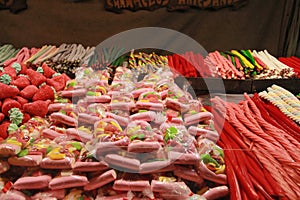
x: 263, y: 163
x: 191, y: 64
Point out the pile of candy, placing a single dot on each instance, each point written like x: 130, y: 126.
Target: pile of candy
x: 144, y: 62
x: 243, y: 64
x: 234, y: 64
x: 132, y: 139
x: 64, y: 59
x: 26, y: 92
x: 189, y: 64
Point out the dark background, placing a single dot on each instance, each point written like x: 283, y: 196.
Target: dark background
x: 267, y: 24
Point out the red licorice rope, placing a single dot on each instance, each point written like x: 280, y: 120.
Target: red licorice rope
x: 279, y: 167
x: 272, y: 149
x: 272, y: 131
x: 252, y: 166
x: 239, y: 169
x: 279, y: 117
x: 280, y: 135
x: 266, y: 115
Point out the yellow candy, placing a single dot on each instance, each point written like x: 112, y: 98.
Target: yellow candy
x: 144, y: 100
x: 97, y: 94
x: 15, y: 142
x: 246, y: 62
x: 41, y: 145
x: 99, y: 129
x: 103, y: 135
x: 203, y: 109
x: 54, y: 154
x: 82, y: 128
x: 101, y: 88
x: 167, y: 179
x: 220, y: 170
x: 116, y: 125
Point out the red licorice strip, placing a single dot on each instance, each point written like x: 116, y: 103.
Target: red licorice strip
x: 221, y: 144
x: 261, y: 196
x: 200, y: 71
x: 183, y: 64
x: 239, y: 157
x: 203, y: 67
x: 235, y: 191
x: 260, y: 188
x: 290, y: 62
x: 191, y: 63
x: 274, y: 111
x: 257, y: 172
x: 177, y: 63
x: 296, y: 59
x: 277, y: 118
x: 264, y: 113
x: 229, y: 59
x: 253, y: 167
x: 287, y: 125
x: 195, y: 64
x: 260, y: 62
x: 191, y: 70
x: 238, y: 64
x: 277, y: 189
x: 241, y: 174
x: 26, y: 54
x: 244, y: 195
x: 233, y: 134
x: 170, y: 61
x: 188, y: 63
x: 171, y: 65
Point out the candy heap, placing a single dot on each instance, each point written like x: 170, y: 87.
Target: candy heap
x: 284, y: 100
x: 225, y: 68
x: 26, y: 92
x: 64, y: 59
x: 262, y: 161
x: 249, y: 64
x: 276, y: 68
x: 234, y: 64
x: 190, y: 64
x: 145, y: 63
x: 132, y: 139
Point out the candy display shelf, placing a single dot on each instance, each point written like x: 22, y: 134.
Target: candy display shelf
x: 202, y: 86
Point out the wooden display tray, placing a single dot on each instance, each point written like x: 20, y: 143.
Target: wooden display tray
x: 200, y: 86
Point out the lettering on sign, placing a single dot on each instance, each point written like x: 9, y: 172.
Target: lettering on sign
x: 171, y: 5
